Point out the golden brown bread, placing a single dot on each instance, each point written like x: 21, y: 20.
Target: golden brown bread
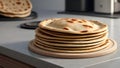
x: 73, y: 25
x: 72, y: 38
x: 15, y: 6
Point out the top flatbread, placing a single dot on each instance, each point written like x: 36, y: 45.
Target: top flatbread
x: 73, y: 25
x: 15, y: 6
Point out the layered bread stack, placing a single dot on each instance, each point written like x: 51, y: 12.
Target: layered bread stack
x: 72, y: 38
x: 15, y: 8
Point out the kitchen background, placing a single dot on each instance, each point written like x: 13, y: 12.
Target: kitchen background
x: 48, y: 4
x: 53, y: 4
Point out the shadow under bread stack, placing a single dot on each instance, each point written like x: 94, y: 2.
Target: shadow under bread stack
x: 15, y: 8
x: 72, y: 38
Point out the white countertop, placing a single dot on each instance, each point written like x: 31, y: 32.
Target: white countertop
x: 14, y: 43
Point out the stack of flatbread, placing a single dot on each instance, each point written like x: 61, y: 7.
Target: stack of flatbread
x: 15, y: 8
x: 72, y: 38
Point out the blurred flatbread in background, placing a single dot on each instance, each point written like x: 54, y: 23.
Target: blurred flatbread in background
x: 16, y: 15
x: 15, y: 8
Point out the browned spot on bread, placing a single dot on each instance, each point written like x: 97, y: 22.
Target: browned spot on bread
x: 66, y: 28
x: 104, y: 25
x: 1, y: 5
x: 70, y: 21
x: 23, y: 4
x: 10, y: 1
x: 73, y: 19
x: 13, y: 4
x: 26, y: 9
x: 20, y: 10
x: 47, y: 20
x: 88, y: 26
x: 18, y: 3
x: 28, y: 6
x: 28, y: 3
x: 84, y: 31
x: 80, y: 21
x: 84, y: 20
x: 107, y: 41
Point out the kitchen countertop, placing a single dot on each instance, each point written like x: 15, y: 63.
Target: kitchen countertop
x: 14, y: 43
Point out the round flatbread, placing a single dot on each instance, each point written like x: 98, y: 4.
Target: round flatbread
x: 66, y: 47
x: 72, y: 44
x: 17, y: 15
x: 72, y: 41
x: 73, y: 25
x: 15, y: 6
x: 71, y: 51
x: 111, y: 48
x: 62, y: 35
x: 47, y: 36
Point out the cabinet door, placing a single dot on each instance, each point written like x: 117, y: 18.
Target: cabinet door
x: 6, y: 62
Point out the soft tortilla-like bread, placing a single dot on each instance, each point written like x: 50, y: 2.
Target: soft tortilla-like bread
x: 63, y: 35
x: 71, y: 50
x: 73, y: 25
x: 47, y: 36
x: 66, y: 47
x: 72, y: 38
x: 72, y: 44
x: 16, y: 15
x: 112, y: 46
x: 72, y: 41
x: 15, y: 6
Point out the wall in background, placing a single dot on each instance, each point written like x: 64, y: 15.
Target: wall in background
x: 48, y: 4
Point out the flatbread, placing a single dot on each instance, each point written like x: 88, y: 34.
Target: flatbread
x: 70, y: 35
x: 72, y: 44
x: 79, y: 26
x: 72, y: 38
x: 16, y: 15
x: 15, y: 6
x: 71, y: 41
x: 47, y: 36
x: 66, y: 47
x: 71, y: 50
x: 111, y: 48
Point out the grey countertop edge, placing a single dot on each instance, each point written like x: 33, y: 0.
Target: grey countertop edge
x: 27, y: 59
